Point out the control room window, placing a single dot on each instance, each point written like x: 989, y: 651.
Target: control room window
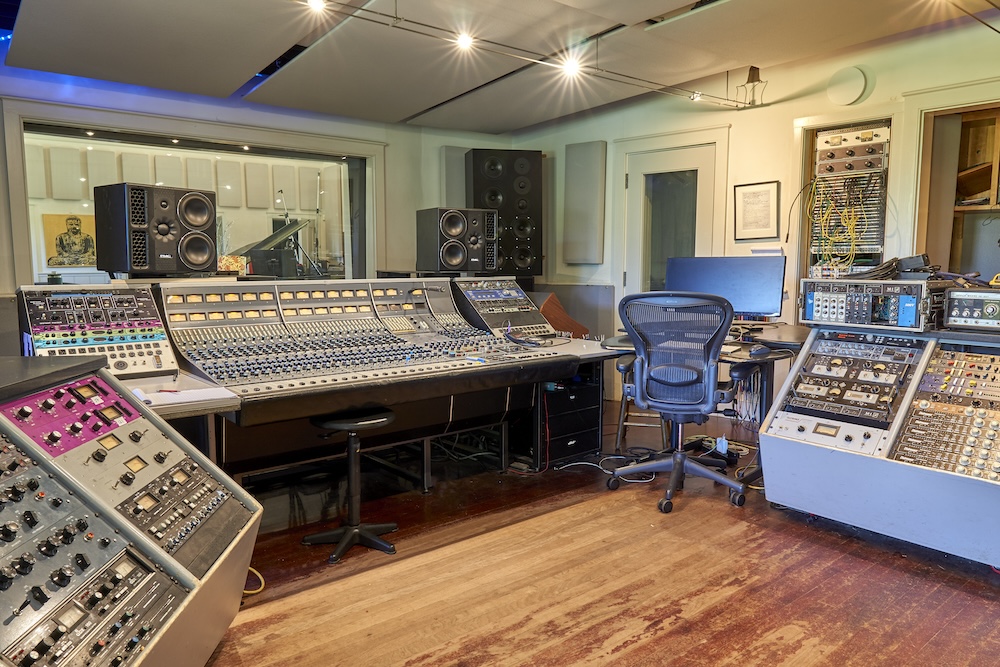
x: 258, y: 190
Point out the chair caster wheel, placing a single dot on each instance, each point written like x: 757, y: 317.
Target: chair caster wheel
x: 614, y: 483
x: 665, y: 505
x: 737, y: 498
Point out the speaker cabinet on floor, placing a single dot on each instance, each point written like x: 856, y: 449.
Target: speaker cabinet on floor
x: 457, y: 239
x: 511, y: 182
x: 145, y: 230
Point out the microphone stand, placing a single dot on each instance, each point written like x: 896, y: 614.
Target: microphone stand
x: 295, y: 240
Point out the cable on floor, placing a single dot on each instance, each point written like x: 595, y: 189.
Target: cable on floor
x: 260, y: 578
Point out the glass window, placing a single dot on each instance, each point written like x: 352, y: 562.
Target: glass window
x: 259, y: 190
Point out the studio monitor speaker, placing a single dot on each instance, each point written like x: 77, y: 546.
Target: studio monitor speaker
x: 511, y: 182
x: 146, y: 230
x: 457, y: 239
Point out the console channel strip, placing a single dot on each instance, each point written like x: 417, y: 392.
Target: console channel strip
x: 121, y: 323
x: 953, y: 421
x: 849, y: 389
x: 907, y: 305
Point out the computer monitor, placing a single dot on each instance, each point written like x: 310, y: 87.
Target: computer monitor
x: 754, y: 285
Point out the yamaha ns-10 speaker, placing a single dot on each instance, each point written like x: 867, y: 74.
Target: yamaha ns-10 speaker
x: 457, y: 239
x: 145, y: 230
x: 511, y: 182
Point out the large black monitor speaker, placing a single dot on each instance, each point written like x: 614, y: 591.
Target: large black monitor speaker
x: 754, y: 285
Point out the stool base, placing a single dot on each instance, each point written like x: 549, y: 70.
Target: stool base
x: 345, y: 537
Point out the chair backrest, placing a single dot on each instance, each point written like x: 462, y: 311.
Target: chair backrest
x: 678, y: 337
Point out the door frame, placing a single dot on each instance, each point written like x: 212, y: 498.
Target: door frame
x: 719, y: 136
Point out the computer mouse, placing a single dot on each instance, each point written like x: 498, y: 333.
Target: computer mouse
x: 759, y: 350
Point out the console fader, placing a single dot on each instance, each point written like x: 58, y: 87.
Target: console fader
x: 953, y: 421
x: 121, y: 323
x: 113, y: 530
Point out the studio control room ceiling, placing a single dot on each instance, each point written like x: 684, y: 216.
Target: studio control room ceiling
x: 397, y: 61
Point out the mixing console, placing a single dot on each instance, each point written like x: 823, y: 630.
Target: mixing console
x: 263, y: 340
x: 113, y: 525
x: 121, y: 323
x: 954, y: 419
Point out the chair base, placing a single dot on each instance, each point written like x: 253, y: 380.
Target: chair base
x: 345, y: 537
x: 680, y: 465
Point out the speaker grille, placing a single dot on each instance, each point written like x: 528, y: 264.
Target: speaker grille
x: 491, y: 227
x: 490, y: 261
x: 139, y: 252
x: 137, y: 207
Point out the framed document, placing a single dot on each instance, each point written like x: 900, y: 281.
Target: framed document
x: 757, y: 210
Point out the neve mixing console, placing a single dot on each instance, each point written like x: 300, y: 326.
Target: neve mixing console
x: 121, y: 323
x: 262, y: 340
x: 122, y: 544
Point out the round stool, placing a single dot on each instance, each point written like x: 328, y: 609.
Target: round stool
x: 352, y: 531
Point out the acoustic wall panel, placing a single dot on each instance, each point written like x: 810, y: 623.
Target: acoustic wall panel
x: 453, y: 176
x: 309, y: 188
x: 66, y: 171
x: 135, y: 168
x: 230, y: 178
x: 583, y: 210
x: 259, y: 193
x: 168, y: 171
x: 102, y: 169
x: 199, y: 174
x: 34, y: 160
x: 284, y: 186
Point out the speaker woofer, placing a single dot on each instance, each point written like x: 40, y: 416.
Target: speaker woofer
x: 492, y: 198
x: 453, y: 254
x: 523, y: 227
x: 523, y: 259
x: 197, y: 251
x: 453, y: 224
x: 522, y: 165
x: 195, y: 210
x: 492, y: 167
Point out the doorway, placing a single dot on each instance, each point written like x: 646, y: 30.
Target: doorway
x: 668, y: 192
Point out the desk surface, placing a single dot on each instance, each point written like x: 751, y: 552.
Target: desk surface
x: 624, y: 344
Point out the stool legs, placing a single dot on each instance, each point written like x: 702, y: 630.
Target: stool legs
x: 353, y: 532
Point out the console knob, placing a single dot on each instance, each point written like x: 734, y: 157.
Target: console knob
x: 24, y: 412
x: 135, y: 436
x: 30, y: 518
x: 127, y: 478
x: 8, y: 531
x: 39, y: 594
x: 32, y: 484
x: 48, y: 404
x: 68, y: 533
x: 49, y: 547
x: 160, y: 457
x: 59, y: 393
x: 62, y: 576
x: 24, y: 563
x: 7, y: 574
x: 76, y: 427
x: 94, y: 599
x: 81, y: 524
x: 16, y: 492
x: 99, y: 455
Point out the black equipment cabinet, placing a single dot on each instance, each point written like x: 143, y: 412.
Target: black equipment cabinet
x: 565, y: 423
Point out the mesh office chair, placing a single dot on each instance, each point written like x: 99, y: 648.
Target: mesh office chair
x: 678, y: 337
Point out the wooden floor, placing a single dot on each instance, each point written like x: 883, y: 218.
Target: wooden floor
x: 562, y: 571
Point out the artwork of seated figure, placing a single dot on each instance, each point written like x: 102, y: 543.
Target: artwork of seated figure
x: 74, y: 247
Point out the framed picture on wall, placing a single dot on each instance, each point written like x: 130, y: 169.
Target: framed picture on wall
x: 757, y: 207
x: 69, y: 239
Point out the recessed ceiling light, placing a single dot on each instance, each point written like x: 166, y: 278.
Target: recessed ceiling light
x: 90, y: 133
x: 175, y: 141
x: 246, y: 148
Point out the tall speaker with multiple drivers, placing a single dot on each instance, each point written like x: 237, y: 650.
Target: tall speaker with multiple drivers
x: 457, y: 239
x: 511, y: 182
x: 146, y: 230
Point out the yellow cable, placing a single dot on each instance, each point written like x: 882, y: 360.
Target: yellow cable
x: 260, y: 578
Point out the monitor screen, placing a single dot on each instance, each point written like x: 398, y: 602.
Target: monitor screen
x: 753, y: 285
